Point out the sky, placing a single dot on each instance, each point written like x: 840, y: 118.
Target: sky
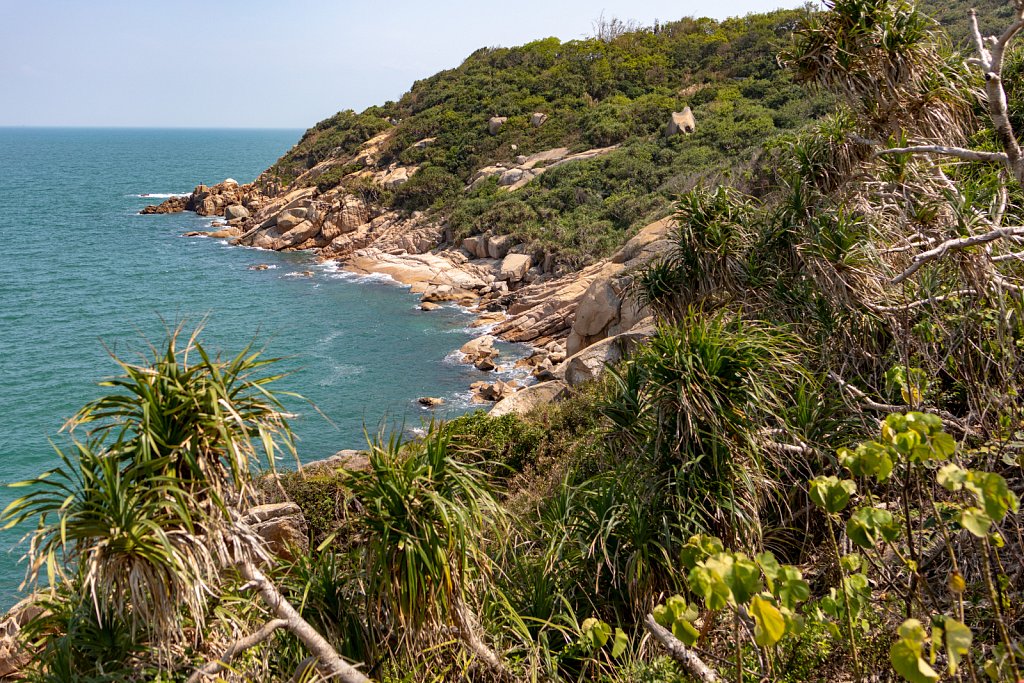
x: 267, y: 64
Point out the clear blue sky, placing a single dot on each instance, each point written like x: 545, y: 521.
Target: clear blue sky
x: 257, y: 63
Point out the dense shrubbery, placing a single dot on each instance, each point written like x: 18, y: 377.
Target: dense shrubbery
x: 596, y: 93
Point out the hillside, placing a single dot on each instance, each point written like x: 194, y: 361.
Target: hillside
x: 594, y: 94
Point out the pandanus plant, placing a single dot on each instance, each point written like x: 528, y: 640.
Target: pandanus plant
x: 143, y: 517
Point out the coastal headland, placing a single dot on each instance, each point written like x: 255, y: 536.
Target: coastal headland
x: 518, y: 294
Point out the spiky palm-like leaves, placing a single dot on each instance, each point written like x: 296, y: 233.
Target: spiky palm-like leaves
x: 695, y: 401
x: 711, y: 237
x: 422, y: 526
x: 887, y: 61
x: 142, y: 515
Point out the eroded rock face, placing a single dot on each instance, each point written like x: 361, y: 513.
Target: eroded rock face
x: 170, y: 205
x: 345, y: 216
x: 396, y: 178
x: 225, y: 233
x: 484, y: 392
x: 514, y: 267
x: 211, y: 201
x: 348, y: 459
x: 499, y: 245
x: 236, y: 211
x: 476, y: 246
x: 537, y: 119
x: 14, y: 656
x: 282, y: 526
x: 606, y: 308
x: 286, y: 220
x: 588, y: 364
x: 479, y: 350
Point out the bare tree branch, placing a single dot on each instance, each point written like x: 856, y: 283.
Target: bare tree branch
x: 919, y: 303
x: 468, y: 627
x: 958, y: 152
x: 956, y: 245
x: 1013, y: 256
x: 236, y: 648
x: 680, y: 653
x: 948, y: 418
x: 991, y: 63
x: 331, y: 664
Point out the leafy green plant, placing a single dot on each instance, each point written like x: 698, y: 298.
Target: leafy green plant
x: 758, y: 589
x: 688, y: 402
x: 422, y: 526
x: 912, y: 446
x: 141, y: 515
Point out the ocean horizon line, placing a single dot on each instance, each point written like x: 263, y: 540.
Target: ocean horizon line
x: 183, y: 128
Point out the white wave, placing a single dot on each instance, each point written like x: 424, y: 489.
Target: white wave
x: 161, y: 195
x: 471, y: 331
x: 348, y: 276
x: 338, y: 373
x: 331, y: 336
x: 455, y: 358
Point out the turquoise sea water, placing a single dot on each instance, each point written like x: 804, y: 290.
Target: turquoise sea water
x: 80, y: 270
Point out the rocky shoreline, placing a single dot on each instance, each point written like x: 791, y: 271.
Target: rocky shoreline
x: 566, y: 316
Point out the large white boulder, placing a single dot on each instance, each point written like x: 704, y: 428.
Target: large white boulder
x: 525, y: 400
x: 514, y: 267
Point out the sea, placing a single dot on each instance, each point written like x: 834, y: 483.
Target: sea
x: 84, y: 276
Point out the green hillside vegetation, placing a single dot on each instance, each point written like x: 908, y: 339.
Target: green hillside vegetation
x: 596, y: 93
x: 811, y: 472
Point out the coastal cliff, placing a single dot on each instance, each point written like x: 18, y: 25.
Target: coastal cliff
x: 528, y: 183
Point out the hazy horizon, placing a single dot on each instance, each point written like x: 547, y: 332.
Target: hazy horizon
x: 260, y: 65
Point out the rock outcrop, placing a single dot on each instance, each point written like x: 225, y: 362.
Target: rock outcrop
x: 282, y: 526
x: 14, y: 655
x: 681, y: 122
x: 523, y: 294
x: 485, y: 392
x: 495, y: 123
x: 170, y: 205
x: 480, y: 352
x: 514, y: 267
x: 351, y: 460
x: 214, y: 200
x: 525, y: 400
x: 512, y: 176
x: 587, y: 364
x: 236, y: 212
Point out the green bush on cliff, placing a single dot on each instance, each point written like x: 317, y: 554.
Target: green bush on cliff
x: 429, y: 186
x: 595, y: 93
x: 337, y: 137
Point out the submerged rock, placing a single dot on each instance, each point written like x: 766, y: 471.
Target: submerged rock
x: 172, y: 205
